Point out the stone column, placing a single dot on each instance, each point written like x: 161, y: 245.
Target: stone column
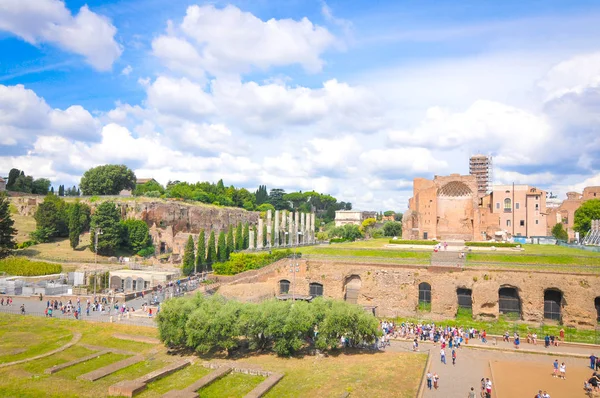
x: 276, y: 241
x: 259, y: 233
x: 269, y: 228
x: 313, y: 227
x: 282, y: 227
x: 291, y: 228
x: 251, y: 239
x: 296, y: 228
x: 302, y: 236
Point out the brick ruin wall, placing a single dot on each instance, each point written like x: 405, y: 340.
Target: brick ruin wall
x: 394, y: 289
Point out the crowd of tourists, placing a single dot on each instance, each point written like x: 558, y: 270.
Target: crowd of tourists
x: 7, y: 301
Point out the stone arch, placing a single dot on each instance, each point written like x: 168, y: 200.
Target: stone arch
x: 352, y: 287
x: 509, y: 301
x: 553, y: 302
x: 424, y: 293
x: 128, y: 283
x: 139, y: 284
x: 464, y: 298
x: 315, y: 289
x: 115, y: 282
x: 284, y: 286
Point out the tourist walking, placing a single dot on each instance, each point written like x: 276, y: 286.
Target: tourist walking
x: 429, y: 380
x: 443, y: 356
x: 472, y: 393
x: 555, y: 368
x: 453, y: 357
x: 436, y: 380
x: 592, y: 361
x: 563, y: 371
x: 488, y: 388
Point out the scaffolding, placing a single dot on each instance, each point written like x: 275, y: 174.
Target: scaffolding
x: 593, y: 237
x: 480, y: 166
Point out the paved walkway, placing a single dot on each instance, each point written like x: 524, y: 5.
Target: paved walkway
x: 473, y: 363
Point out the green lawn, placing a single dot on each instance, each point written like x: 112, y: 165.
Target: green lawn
x: 175, y: 381
x: 345, y: 251
x: 44, y: 338
x: 233, y: 385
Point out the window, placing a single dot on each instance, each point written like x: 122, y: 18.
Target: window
x: 507, y: 205
x: 284, y: 286
x: 497, y: 205
x: 537, y: 222
x: 316, y: 289
x: 522, y: 223
x: 517, y: 206
x: 508, y: 223
x: 424, y: 293
x: 537, y: 206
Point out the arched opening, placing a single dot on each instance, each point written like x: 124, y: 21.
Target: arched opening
x: 509, y: 301
x: 597, y: 305
x: 507, y: 204
x: 140, y: 284
x: 315, y: 289
x: 352, y: 288
x: 424, y: 296
x: 128, y: 284
x: 464, y: 297
x: 284, y: 286
x: 552, y: 304
x: 115, y: 282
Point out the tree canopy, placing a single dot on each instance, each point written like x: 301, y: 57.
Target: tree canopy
x: 588, y: 211
x: 107, y: 218
x: 109, y: 179
x: 7, y: 230
x: 559, y: 232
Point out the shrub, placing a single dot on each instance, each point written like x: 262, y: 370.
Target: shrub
x: 337, y: 240
x: 146, y: 252
x: 24, y: 267
x: 414, y: 242
x: 490, y: 244
x: 240, y: 262
x: 42, y: 234
x: 26, y: 244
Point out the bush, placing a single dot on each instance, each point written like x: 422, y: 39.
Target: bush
x: 24, y: 267
x: 42, y: 234
x: 212, y: 323
x: 146, y: 252
x: 414, y: 242
x: 26, y: 244
x: 240, y: 262
x: 490, y: 244
x: 337, y: 240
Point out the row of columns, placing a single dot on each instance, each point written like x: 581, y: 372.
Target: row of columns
x: 287, y: 229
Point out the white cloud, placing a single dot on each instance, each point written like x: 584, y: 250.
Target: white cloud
x: 400, y: 162
x: 127, y: 70
x: 228, y: 40
x: 572, y: 76
x: 179, y: 97
x: 86, y: 33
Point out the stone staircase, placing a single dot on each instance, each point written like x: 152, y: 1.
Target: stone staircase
x: 449, y: 258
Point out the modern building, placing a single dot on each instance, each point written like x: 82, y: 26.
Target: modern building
x: 356, y: 217
x: 480, y: 166
x: 520, y: 209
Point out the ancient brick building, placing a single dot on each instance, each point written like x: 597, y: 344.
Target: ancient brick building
x: 565, y: 212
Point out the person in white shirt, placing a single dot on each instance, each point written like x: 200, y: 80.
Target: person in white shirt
x: 563, y: 371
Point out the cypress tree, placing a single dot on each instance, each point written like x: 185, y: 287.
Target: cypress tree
x: 75, y: 225
x: 239, y: 237
x: 188, y: 257
x: 52, y: 190
x: 7, y: 231
x: 61, y: 190
x: 246, y: 237
x: 264, y: 233
x: 211, y: 254
x: 201, y: 253
x: 221, y: 248
x: 230, y: 244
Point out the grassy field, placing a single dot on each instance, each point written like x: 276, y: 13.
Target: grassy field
x: 24, y: 226
x: 362, y: 374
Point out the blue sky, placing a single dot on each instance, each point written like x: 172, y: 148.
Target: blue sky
x: 352, y: 98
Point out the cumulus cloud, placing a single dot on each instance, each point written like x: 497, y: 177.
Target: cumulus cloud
x: 228, y: 40
x: 402, y: 162
x: 87, y: 33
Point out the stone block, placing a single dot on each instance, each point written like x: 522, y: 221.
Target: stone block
x: 265, y: 386
x: 113, y: 367
x: 62, y: 366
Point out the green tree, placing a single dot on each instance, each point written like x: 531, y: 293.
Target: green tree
x: 61, y: 190
x: 52, y: 214
x: 588, y: 211
x: 149, y: 187
x: 75, y: 224
x: 230, y: 242
x: 261, y: 195
x: 264, y: 235
x: 23, y: 184
x: 276, y: 199
x: 392, y: 228
x: 246, y: 237
x: 107, y: 218
x: 7, y: 230
x: 265, y: 207
x: 239, y: 237
x: 13, y: 174
x: 40, y: 186
x: 559, y: 232
x: 201, y: 253
x: 136, y: 235
x: 109, y: 179
x: 296, y: 198
x: 222, y: 247
x: 188, y: 257
x: 211, y: 253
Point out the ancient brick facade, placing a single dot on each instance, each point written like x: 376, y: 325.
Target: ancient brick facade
x: 565, y: 213
x: 394, y: 290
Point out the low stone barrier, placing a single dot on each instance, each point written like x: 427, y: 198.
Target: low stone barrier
x: 265, y: 386
x: 65, y: 365
x: 190, y: 391
x: 129, y: 388
x: 139, y: 339
x: 113, y: 367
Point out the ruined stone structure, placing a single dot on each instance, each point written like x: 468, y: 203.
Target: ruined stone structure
x: 565, y: 212
x: 355, y: 217
x: 2, y: 184
x: 450, y: 208
x: 395, y: 290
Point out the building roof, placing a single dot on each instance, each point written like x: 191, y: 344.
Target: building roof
x: 143, y: 180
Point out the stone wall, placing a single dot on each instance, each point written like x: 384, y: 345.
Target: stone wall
x: 394, y: 289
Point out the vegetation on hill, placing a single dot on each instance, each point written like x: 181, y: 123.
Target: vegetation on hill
x: 23, y: 267
x: 205, y: 324
x: 109, y: 179
x: 240, y: 262
x: 19, y: 182
x: 7, y: 230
